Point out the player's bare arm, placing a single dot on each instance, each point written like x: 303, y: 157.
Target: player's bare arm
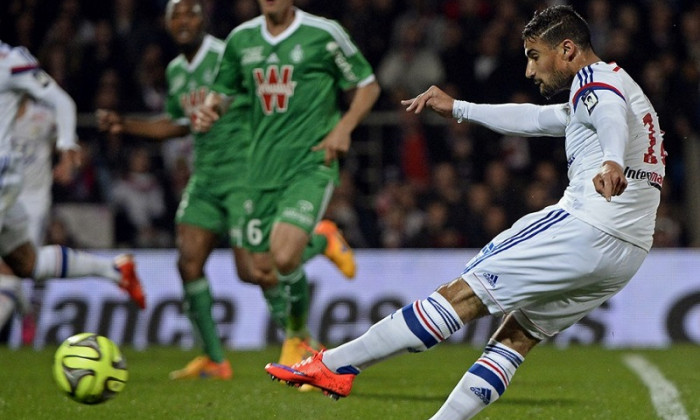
x: 610, y: 180
x: 433, y: 98
x: 109, y: 121
x: 337, y: 142
x: 159, y: 128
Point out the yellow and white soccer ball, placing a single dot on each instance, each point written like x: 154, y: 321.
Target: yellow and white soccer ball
x: 90, y: 368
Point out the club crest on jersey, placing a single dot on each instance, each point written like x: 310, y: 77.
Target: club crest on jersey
x: 274, y: 87
x: 297, y: 54
x: 590, y: 100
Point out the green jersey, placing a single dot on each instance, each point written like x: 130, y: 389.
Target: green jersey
x: 293, y: 81
x: 221, y: 152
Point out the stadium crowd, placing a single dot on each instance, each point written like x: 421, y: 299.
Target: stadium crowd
x: 439, y: 185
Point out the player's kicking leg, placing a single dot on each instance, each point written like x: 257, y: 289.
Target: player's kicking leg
x: 416, y: 327
x: 57, y: 262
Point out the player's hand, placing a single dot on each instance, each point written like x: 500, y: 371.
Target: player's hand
x: 335, y: 144
x: 109, y: 121
x: 610, y: 180
x: 433, y: 98
x: 69, y: 161
x: 204, y: 118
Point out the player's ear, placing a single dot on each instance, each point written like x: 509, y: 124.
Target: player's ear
x: 568, y: 50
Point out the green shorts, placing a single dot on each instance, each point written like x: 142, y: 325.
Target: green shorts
x: 216, y: 206
x: 301, y: 203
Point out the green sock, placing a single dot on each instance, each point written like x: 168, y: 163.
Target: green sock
x: 198, y: 304
x: 277, y: 304
x: 297, y: 287
x: 317, y: 244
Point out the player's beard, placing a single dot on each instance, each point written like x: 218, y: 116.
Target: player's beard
x: 558, y: 82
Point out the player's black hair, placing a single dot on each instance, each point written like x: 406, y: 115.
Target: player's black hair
x: 557, y: 23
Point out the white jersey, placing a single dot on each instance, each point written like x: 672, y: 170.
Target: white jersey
x: 21, y: 75
x: 34, y: 135
x: 608, y: 117
x: 612, y: 119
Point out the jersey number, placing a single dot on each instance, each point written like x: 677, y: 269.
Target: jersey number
x: 253, y: 232
x: 650, y: 156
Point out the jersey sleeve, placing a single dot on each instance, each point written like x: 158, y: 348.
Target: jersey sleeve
x: 172, y: 104
x: 352, y: 67
x: 27, y: 76
x: 229, y: 72
x: 526, y: 120
x: 606, y: 106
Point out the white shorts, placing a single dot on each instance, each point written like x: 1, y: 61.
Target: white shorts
x: 37, y: 205
x: 13, y: 228
x: 550, y: 270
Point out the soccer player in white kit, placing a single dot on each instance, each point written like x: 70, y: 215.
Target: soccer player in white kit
x: 20, y: 76
x: 554, y: 266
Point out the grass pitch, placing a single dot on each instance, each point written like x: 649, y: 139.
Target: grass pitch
x: 575, y: 383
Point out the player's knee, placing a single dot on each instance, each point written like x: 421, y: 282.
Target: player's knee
x: 22, y: 260
x: 462, y: 298
x: 286, y: 262
x: 190, y: 268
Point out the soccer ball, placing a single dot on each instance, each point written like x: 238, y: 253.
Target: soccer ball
x: 90, y: 368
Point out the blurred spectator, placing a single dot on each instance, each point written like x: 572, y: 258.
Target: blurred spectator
x: 415, y: 160
x: 438, y: 231
x: 667, y: 233
x: 89, y: 182
x: 98, y: 55
x: 138, y: 201
x: 58, y: 233
x: 598, y: 15
x: 409, y: 64
x: 505, y: 190
x: 343, y: 210
x: 151, y: 79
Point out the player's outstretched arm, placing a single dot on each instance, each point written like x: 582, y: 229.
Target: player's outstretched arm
x: 433, y: 98
x: 526, y: 120
x: 159, y: 128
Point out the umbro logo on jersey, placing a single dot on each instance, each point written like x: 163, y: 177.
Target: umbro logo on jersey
x: 483, y: 393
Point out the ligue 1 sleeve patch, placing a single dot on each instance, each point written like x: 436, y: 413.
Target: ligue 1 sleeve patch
x: 590, y: 100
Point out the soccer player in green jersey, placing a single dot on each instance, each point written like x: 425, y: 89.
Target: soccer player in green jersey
x: 291, y: 67
x: 212, y: 202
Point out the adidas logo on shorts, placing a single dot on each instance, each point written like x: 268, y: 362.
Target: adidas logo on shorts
x: 491, y: 278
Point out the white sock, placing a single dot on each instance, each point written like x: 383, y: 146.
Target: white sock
x: 416, y: 327
x: 56, y: 261
x: 483, y: 383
